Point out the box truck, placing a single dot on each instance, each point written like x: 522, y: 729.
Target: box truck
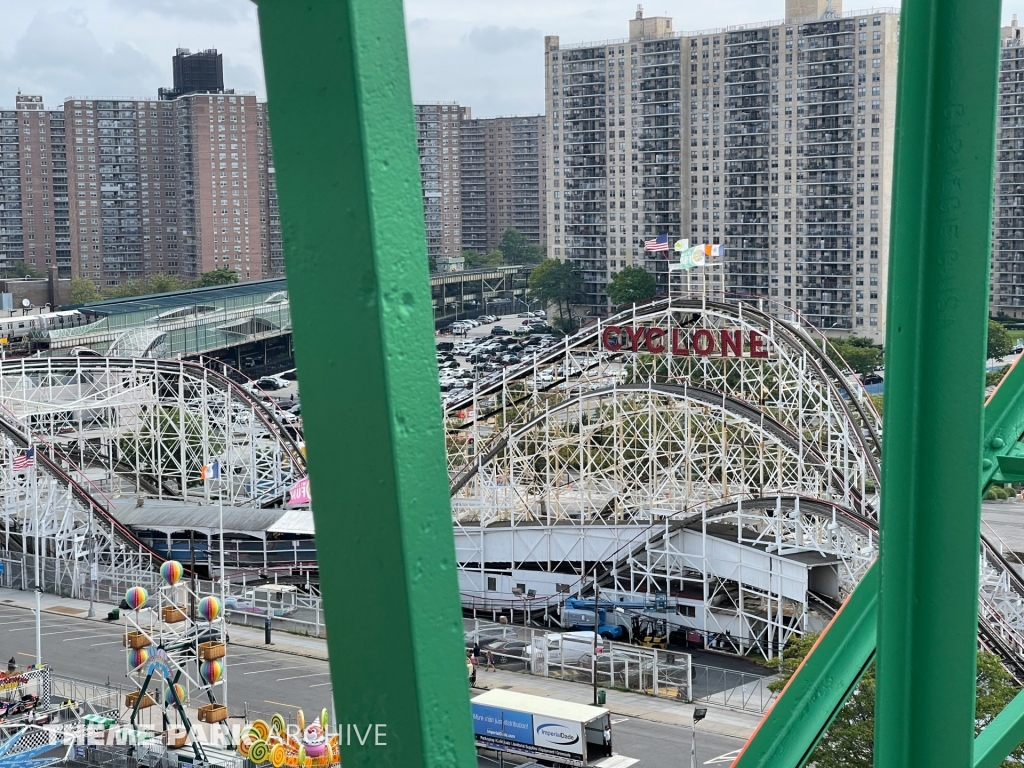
x: 557, y: 732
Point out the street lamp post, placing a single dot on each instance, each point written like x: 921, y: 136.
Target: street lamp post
x: 525, y: 596
x: 699, y: 713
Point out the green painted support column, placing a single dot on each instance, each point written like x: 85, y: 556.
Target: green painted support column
x: 827, y: 677
x: 352, y: 223
x: 935, y: 356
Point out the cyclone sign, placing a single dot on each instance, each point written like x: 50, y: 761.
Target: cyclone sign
x: 700, y: 342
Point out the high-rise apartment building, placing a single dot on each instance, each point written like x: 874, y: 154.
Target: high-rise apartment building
x: 1007, y: 282
x: 480, y: 177
x: 175, y: 187
x: 473, y: 151
x: 774, y: 140
x: 118, y: 189
x: 504, y: 164
x: 225, y: 178
x: 179, y: 186
x: 438, y: 136
x: 34, y: 228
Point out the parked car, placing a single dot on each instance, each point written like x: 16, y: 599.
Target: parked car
x: 525, y: 314
x: 499, y: 331
x: 268, y: 384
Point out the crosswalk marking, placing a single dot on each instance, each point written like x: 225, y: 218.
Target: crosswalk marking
x: 728, y: 757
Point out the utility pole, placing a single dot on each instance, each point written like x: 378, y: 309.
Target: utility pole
x: 223, y: 585
x: 92, y: 569
x: 593, y: 655
x: 192, y: 565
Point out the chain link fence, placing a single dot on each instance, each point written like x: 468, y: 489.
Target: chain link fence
x: 655, y: 672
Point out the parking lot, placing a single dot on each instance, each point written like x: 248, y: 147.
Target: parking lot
x: 473, y: 349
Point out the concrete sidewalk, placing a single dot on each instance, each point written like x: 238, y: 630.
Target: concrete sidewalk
x: 721, y: 720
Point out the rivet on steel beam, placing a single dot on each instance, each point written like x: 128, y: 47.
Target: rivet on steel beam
x: 986, y: 463
x: 997, y: 443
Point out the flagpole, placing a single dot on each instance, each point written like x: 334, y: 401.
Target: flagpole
x: 223, y: 597
x: 35, y: 528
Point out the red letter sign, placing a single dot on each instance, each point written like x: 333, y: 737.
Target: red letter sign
x: 677, y: 347
x: 703, y: 342
x: 732, y: 340
x: 757, y: 345
x: 611, y: 332
x: 655, y: 341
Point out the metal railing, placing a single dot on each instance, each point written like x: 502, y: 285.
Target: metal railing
x: 650, y: 671
x: 731, y: 688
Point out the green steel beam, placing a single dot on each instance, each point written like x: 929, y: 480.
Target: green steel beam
x: 1000, y: 737
x: 936, y: 323
x: 352, y: 222
x: 823, y: 682
x: 827, y: 677
x: 1002, y: 454
x: 930, y: 533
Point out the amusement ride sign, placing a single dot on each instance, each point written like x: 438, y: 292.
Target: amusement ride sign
x: 702, y: 342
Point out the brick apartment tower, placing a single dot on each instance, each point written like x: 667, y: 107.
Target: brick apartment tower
x: 34, y: 226
x: 504, y: 163
x: 180, y: 185
x: 438, y: 140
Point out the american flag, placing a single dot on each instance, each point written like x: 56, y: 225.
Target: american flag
x: 25, y: 460
x: 660, y: 243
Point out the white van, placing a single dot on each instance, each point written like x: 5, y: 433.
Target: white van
x: 568, y: 647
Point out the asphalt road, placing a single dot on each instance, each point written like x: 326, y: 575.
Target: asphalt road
x: 657, y: 746
x: 264, y: 681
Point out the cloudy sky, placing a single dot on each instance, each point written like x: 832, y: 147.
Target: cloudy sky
x: 484, y: 53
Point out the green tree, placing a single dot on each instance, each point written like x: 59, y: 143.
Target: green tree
x: 83, y: 291
x: 158, y: 283
x: 859, y: 353
x: 555, y: 282
x: 477, y: 260
x: 222, y: 276
x: 517, y: 249
x: 21, y: 271
x: 631, y: 285
x: 999, y: 341
x: 126, y: 289
x: 850, y: 739
x: 161, y: 283
x: 879, y: 401
x: 992, y: 378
